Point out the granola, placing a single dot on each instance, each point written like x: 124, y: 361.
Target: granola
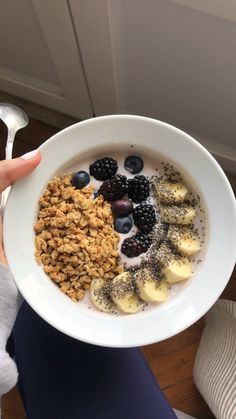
x: 75, y: 240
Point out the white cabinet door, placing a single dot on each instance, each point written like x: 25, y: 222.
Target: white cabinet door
x: 93, y: 27
x: 171, y: 60
x: 40, y: 58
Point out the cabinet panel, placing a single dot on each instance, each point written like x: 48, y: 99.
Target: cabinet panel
x: 40, y: 59
x: 24, y: 49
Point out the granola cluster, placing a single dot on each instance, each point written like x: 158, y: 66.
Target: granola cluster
x: 75, y: 240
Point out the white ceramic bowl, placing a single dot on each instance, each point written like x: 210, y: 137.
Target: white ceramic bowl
x: 161, y: 321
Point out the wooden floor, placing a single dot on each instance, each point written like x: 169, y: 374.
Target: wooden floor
x: 172, y: 360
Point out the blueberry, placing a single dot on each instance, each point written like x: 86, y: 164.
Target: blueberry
x: 122, y: 206
x: 123, y: 224
x: 95, y: 194
x: 80, y: 179
x: 134, y: 164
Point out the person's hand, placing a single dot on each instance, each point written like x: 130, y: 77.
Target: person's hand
x: 10, y: 171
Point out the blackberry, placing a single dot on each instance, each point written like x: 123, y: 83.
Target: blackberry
x: 144, y: 217
x: 135, y: 245
x: 138, y: 188
x: 104, y: 168
x: 114, y: 188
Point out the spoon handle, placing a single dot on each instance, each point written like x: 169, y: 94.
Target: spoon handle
x: 8, y: 156
x: 9, y: 145
x: 14, y: 118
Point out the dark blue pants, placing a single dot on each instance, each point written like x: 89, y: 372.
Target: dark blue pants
x: 62, y: 378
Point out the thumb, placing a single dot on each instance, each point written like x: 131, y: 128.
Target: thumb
x: 12, y: 170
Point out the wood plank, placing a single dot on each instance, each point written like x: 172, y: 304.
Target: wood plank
x: 20, y: 147
x: 185, y: 397
x: 172, y: 368
x: 229, y: 292
x: 12, y: 406
x: 25, y: 139
x: 179, y: 341
x: 35, y: 133
x: 232, y: 179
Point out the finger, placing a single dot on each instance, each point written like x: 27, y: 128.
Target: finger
x: 2, y: 253
x: 12, y: 170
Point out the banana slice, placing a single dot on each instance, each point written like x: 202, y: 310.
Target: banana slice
x: 185, y: 239
x: 100, y: 295
x: 178, y: 270
x: 170, y: 193
x: 148, y: 288
x: 177, y: 214
x: 123, y: 294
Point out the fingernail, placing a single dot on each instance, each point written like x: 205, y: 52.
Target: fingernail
x: 29, y: 155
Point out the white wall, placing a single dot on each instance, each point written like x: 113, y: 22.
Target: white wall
x: 177, y: 64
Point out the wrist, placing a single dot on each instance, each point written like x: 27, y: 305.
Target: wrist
x: 3, y: 259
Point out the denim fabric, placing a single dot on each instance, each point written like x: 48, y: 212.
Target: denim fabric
x: 62, y: 378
